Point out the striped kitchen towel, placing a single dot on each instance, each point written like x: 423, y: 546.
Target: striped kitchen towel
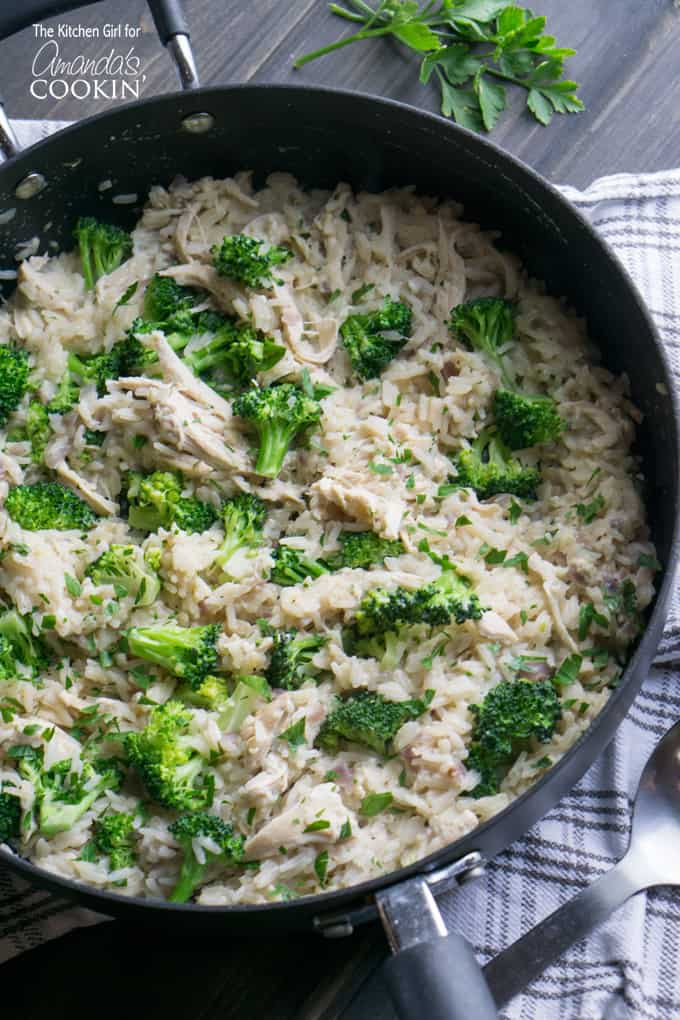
x: 630, y: 968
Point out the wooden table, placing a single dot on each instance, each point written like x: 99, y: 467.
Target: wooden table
x: 627, y: 63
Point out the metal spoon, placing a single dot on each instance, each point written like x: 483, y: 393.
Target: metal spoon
x: 652, y: 858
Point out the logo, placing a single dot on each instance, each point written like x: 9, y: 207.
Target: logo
x: 117, y: 74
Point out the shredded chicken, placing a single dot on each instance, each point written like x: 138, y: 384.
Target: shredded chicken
x: 382, y: 514
x: 546, y: 572
x: 42, y: 288
x: 185, y: 424
x: 303, y: 810
x: 291, y: 320
x: 10, y: 469
x: 450, y: 280
x: 495, y: 628
x: 100, y: 504
x: 182, y: 244
x: 175, y: 371
x: 198, y: 274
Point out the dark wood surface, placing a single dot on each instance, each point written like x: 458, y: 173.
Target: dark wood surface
x: 627, y: 61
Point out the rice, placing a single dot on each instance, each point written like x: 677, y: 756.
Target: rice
x: 378, y: 460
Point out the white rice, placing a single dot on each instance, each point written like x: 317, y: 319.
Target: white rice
x: 412, y: 248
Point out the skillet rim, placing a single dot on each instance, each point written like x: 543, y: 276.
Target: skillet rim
x: 583, y: 753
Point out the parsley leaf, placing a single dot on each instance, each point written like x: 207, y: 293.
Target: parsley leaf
x: 374, y: 803
x: 588, y: 615
x: 321, y: 866
x: 568, y: 671
x: 589, y: 511
x: 295, y: 734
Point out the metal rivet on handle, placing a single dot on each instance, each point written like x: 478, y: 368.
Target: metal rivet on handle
x: 198, y: 123
x: 32, y: 184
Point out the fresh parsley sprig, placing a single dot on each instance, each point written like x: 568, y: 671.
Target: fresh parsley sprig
x: 473, y: 48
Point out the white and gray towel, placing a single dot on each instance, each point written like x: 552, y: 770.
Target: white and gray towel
x: 629, y: 969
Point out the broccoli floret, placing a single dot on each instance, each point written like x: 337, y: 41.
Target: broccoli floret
x: 8, y: 666
x: 526, y: 421
x: 511, y: 716
x: 62, y: 795
x: 38, y: 429
x: 241, y: 258
x: 247, y: 692
x: 212, y: 694
x: 93, y: 437
x: 13, y: 380
x: 290, y: 663
x: 193, y: 516
x: 152, y: 499
x: 373, y: 339
x: 195, y: 826
x: 487, y: 325
x: 114, y: 837
x: 26, y: 649
x: 10, y: 816
x: 292, y: 566
x: 278, y: 413
x: 170, y: 767
x: 182, y: 326
x: 243, y: 517
x: 156, y: 501
x: 237, y: 353
x: 127, y: 357
x: 67, y: 395
x: 382, y: 614
x: 187, y: 652
x: 449, y: 597
x: 488, y: 467
x: 45, y: 505
x: 367, y: 718
x: 103, y: 247
x: 362, y: 549
x: 125, y: 567
x: 165, y: 298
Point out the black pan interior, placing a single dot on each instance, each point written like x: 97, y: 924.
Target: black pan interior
x: 326, y: 136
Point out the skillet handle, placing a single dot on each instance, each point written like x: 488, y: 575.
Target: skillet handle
x: 439, y: 980
x: 169, y: 19
x: 15, y: 16
x: 433, y: 973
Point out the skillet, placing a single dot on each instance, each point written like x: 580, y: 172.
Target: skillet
x: 323, y: 136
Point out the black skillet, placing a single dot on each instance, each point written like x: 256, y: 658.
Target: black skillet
x: 324, y: 136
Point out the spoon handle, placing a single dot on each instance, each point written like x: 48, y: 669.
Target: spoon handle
x: 523, y: 961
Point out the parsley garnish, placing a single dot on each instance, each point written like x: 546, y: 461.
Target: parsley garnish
x: 361, y: 292
x: 321, y: 866
x: 589, y: 511
x: 588, y: 615
x: 514, y: 512
x: 295, y: 734
x: 72, y: 586
x: 374, y: 803
x: 125, y: 297
x: 320, y: 823
x: 470, y: 46
x: 568, y: 671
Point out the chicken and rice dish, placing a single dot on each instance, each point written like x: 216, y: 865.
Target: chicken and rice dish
x: 321, y: 540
